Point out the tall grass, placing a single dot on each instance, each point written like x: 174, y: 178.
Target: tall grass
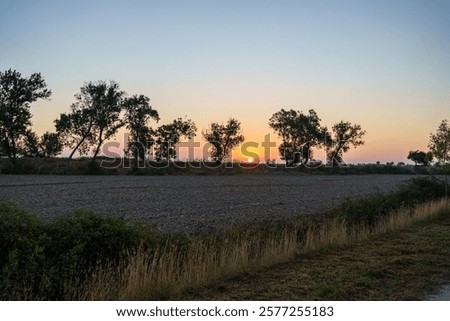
x: 167, y: 273
x: 338, y: 232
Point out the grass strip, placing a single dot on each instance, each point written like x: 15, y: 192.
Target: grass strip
x: 406, y: 264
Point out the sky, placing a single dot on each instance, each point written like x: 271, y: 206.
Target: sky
x: 382, y: 64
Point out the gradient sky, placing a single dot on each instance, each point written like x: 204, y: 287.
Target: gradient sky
x: 382, y: 64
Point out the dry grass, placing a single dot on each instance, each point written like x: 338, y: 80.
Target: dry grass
x: 169, y: 271
x: 338, y: 232
x: 410, y: 263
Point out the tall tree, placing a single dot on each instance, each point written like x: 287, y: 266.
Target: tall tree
x: 75, y: 130
x: 16, y: 95
x: 299, y: 133
x: 439, y: 143
x: 94, y: 117
x: 167, y: 136
x: 344, y: 136
x: 439, y: 146
x: 223, y: 138
x: 138, y: 114
x: 106, y: 101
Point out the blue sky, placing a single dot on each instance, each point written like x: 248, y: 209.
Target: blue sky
x: 382, y: 64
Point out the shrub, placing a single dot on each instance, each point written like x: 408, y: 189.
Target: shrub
x: 370, y: 209
x: 46, y: 259
x: 21, y: 249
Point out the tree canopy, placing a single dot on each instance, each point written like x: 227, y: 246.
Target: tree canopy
x: 169, y: 135
x: 344, y: 136
x: 94, y: 117
x: 138, y: 114
x: 223, y: 138
x: 16, y: 95
x: 299, y: 133
x: 439, y: 143
x: 420, y: 157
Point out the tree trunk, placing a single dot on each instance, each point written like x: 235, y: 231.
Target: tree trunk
x: 12, y: 153
x: 97, y: 150
x: 72, y: 153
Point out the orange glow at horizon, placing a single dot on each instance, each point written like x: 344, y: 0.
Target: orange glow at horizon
x: 391, y: 133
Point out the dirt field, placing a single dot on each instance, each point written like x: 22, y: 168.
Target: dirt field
x: 191, y: 202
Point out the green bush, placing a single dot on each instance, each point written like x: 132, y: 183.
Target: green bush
x: 21, y: 249
x: 370, y: 209
x: 45, y: 259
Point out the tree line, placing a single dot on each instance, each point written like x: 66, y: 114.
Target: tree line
x: 101, y: 108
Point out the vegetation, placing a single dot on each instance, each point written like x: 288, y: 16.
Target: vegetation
x: 50, y: 145
x: 344, y: 135
x: 101, y: 108
x: 368, y: 211
x: 439, y: 147
x: 138, y: 114
x: 299, y: 133
x: 169, y: 135
x: 46, y: 146
x: 408, y: 262
x: 124, y: 166
x: 223, y: 138
x: 80, y: 256
x: 94, y: 117
x: 49, y: 259
x: 420, y: 157
x: 16, y: 95
x: 439, y: 143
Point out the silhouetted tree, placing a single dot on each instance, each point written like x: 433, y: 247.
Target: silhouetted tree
x: 439, y: 143
x: 223, y: 138
x: 30, y: 145
x: 106, y: 104
x: 16, y: 95
x: 299, y: 133
x: 344, y: 136
x: 420, y: 157
x: 50, y: 145
x: 94, y: 117
x: 75, y: 130
x: 138, y: 114
x: 439, y: 147
x: 167, y: 136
